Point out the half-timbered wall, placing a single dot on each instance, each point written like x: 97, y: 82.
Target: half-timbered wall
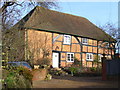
x: 38, y: 40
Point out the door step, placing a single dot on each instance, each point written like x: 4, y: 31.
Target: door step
x: 57, y: 68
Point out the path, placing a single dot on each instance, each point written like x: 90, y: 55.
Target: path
x: 75, y: 82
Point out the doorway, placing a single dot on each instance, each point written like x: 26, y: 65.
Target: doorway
x: 56, y: 59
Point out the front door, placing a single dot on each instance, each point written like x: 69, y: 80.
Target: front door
x: 55, y: 60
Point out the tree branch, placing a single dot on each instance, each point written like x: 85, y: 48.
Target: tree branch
x: 6, y: 4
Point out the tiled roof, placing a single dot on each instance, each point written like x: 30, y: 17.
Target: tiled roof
x: 49, y: 20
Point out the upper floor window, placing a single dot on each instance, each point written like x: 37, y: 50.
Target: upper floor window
x: 84, y: 40
x: 89, y: 56
x: 70, y: 57
x: 67, y: 39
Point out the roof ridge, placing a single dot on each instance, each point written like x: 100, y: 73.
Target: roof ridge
x: 39, y: 7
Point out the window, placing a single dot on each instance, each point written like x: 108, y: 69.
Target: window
x: 70, y: 57
x: 84, y: 40
x: 89, y: 56
x: 67, y: 39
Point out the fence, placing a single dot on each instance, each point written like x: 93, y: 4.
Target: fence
x: 113, y: 67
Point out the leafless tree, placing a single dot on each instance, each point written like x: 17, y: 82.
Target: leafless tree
x: 11, y: 11
x: 38, y: 46
x: 111, y: 29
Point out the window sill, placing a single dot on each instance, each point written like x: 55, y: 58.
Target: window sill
x: 66, y: 44
x: 85, y: 43
x: 89, y: 60
x: 70, y: 61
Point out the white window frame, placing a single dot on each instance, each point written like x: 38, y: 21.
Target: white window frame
x: 67, y: 39
x: 88, y: 57
x: 70, y: 57
x: 84, y: 41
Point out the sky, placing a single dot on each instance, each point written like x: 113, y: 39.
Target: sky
x: 99, y: 13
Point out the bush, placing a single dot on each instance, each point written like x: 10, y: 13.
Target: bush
x: 43, y: 61
x: 48, y: 77
x: 57, y: 72
x: 82, y: 71
x: 25, y: 72
x: 16, y: 81
x: 76, y: 62
x: 93, y: 69
x: 18, y: 78
x: 96, y: 69
x: 73, y: 70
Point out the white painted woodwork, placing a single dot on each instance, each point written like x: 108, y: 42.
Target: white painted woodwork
x: 55, y: 60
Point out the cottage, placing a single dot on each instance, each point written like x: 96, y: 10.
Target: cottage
x: 61, y: 37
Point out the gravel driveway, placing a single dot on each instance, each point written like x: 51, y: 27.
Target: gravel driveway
x: 75, y: 82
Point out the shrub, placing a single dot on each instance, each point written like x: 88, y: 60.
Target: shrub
x: 73, y: 70
x: 25, y: 72
x: 43, y: 61
x: 18, y: 78
x: 93, y: 69
x: 76, y: 62
x: 17, y: 81
x: 48, y: 77
x: 82, y: 71
x: 57, y: 72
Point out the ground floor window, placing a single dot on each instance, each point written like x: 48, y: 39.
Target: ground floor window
x: 89, y: 56
x: 70, y: 57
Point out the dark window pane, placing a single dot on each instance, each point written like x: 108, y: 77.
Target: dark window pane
x: 71, y: 59
x: 71, y: 55
x: 68, y: 55
x: 90, y: 56
x: 87, y: 56
x: 68, y: 59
